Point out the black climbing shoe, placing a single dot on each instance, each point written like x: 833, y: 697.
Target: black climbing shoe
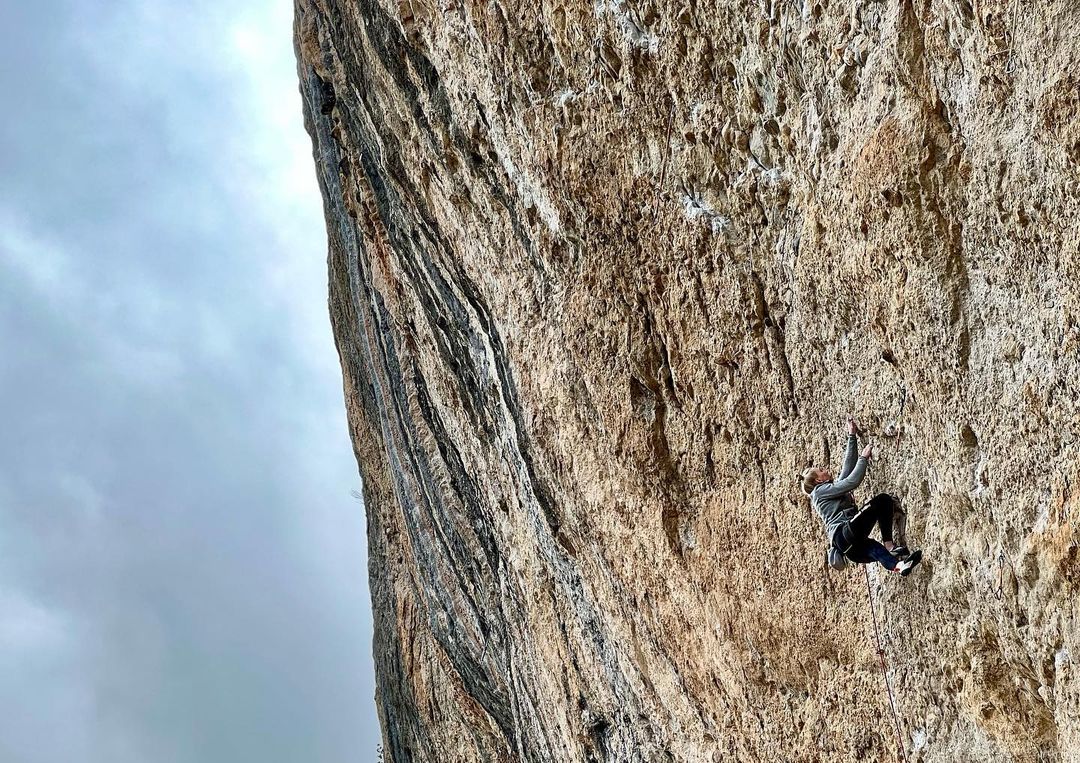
x: 908, y: 564
x: 900, y: 552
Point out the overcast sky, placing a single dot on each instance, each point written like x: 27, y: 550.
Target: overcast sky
x: 183, y: 576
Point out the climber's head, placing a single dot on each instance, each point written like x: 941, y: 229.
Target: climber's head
x: 812, y: 477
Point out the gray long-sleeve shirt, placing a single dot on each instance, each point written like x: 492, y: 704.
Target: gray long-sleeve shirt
x: 833, y: 501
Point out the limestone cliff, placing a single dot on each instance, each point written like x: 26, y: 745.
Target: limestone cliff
x: 605, y: 276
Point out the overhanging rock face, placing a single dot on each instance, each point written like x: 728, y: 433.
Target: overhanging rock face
x: 606, y: 276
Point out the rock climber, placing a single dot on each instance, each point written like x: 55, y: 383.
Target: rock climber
x: 847, y: 526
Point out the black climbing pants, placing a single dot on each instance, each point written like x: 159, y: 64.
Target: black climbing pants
x: 878, y: 510
x: 856, y: 532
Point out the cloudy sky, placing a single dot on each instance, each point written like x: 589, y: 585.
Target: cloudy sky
x: 182, y: 565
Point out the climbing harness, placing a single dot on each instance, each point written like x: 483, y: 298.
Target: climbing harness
x: 900, y: 750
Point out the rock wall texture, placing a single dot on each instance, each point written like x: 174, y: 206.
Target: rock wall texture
x: 605, y: 276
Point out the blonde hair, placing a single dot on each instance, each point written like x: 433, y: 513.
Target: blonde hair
x: 808, y: 480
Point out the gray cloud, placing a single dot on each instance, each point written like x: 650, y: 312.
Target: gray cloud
x: 182, y: 568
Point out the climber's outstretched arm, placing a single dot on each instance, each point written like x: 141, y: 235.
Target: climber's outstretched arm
x: 847, y: 484
x: 850, y: 455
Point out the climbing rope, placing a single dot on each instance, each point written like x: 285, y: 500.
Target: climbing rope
x: 900, y: 750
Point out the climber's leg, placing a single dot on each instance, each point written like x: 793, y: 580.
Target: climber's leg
x: 868, y: 550
x: 878, y: 510
x: 886, y: 505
